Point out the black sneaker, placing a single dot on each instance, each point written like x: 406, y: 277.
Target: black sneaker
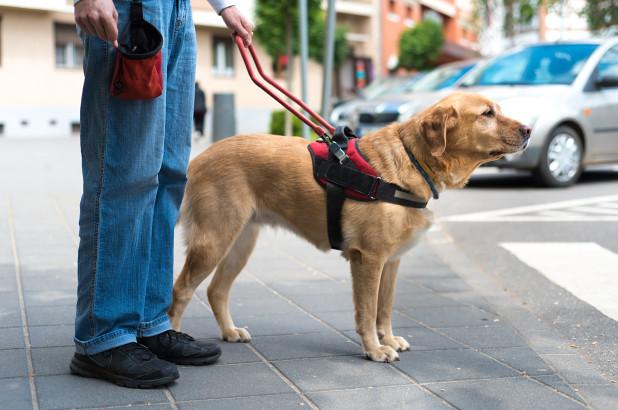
x: 130, y: 365
x: 180, y: 348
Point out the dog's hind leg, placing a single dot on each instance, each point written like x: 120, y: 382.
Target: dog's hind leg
x: 386, y: 299
x: 219, y: 288
x: 205, y: 250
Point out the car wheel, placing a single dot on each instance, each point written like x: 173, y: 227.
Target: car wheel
x: 560, y: 164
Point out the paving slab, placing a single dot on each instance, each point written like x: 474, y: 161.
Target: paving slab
x: 52, y: 336
x: 339, y: 372
x: 523, y: 359
x: 68, y: 391
x: 378, y: 398
x: 15, y: 394
x: 305, y: 345
x: 574, y: 369
x: 344, y: 320
x: 237, y: 380
x: 485, y: 336
x: 452, y: 316
x: 48, y: 361
x: 453, y: 364
x: 13, y: 363
x: 279, y: 324
x: 426, y: 299
x: 601, y: 396
x: 420, y: 338
x: 503, y: 394
x: 265, y: 402
x: 556, y: 382
x: 11, y: 338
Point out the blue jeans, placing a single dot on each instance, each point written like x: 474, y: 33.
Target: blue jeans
x: 134, y: 160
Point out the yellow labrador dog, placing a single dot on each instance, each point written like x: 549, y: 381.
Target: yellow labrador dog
x: 241, y: 183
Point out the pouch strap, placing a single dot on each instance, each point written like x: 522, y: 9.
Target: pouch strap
x: 137, y: 12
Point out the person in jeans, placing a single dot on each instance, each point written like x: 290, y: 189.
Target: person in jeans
x: 135, y: 154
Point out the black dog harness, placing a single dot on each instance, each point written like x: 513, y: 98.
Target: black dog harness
x: 345, y: 173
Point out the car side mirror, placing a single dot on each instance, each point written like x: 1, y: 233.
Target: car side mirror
x: 607, y: 80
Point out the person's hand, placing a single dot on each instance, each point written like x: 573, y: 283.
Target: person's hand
x: 238, y: 23
x: 98, y: 18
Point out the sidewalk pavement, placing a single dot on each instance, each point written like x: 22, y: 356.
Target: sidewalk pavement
x: 472, y: 347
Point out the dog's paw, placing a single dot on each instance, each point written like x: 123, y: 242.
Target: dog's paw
x: 396, y: 342
x: 383, y: 354
x: 237, y: 335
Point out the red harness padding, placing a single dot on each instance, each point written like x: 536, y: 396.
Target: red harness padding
x: 319, y: 149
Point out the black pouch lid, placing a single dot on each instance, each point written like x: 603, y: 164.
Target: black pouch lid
x: 141, y: 40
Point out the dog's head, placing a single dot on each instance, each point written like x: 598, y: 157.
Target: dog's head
x: 463, y: 131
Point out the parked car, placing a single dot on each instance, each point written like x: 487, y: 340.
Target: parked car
x: 390, y: 85
x: 567, y: 93
x: 378, y: 112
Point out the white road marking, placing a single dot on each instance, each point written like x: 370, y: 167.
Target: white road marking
x: 571, y: 210
x: 585, y: 269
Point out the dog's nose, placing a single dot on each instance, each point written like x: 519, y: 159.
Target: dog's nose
x: 525, y: 131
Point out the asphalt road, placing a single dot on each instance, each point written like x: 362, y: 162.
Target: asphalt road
x: 544, y: 247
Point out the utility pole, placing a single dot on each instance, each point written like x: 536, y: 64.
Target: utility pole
x: 304, y: 55
x: 329, y: 51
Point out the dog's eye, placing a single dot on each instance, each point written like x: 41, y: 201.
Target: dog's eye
x: 489, y: 112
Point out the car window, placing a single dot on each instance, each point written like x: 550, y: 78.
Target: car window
x: 608, y: 65
x: 441, y: 77
x: 535, y: 65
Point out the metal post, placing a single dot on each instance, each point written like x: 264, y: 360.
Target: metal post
x: 304, y: 55
x: 329, y: 51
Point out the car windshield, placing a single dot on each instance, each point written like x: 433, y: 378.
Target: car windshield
x: 536, y: 65
x: 383, y: 86
x: 440, y: 78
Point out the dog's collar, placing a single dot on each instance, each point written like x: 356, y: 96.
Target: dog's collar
x: 423, y: 173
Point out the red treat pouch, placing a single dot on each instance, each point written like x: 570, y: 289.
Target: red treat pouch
x: 138, y: 74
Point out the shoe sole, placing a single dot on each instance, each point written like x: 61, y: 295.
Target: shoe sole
x: 86, y: 370
x: 193, y: 362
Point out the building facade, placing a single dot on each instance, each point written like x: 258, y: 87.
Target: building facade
x: 460, y: 39
x: 41, y: 65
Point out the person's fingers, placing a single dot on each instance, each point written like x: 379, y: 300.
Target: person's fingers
x: 95, y: 21
x: 111, y: 29
x: 244, y: 34
x: 249, y: 28
x: 247, y: 24
x: 85, y: 25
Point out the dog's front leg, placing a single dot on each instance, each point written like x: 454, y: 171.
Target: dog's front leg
x: 366, y: 271
x: 386, y: 299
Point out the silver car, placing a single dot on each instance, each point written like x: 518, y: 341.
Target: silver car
x: 567, y: 93
x: 378, y: 112
x: 390, y: 85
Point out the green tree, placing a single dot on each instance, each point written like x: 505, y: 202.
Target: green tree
x: 277, y: 31
x: 601, y: 14
x: 420, y: 46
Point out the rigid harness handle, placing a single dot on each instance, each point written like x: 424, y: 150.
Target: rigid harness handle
x: 315, y: 127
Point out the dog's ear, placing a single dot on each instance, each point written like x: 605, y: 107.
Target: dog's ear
x: 435, y: 125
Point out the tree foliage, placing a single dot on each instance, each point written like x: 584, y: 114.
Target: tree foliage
x: 272, y: 18
x: 601, y: 14
x: 420, y: 46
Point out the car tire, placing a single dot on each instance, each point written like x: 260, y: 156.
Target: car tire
x: 560, y: 164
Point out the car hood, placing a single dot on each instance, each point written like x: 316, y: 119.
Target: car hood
x: 524, y: 103
x: 397, y: 102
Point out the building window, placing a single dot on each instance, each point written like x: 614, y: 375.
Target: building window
x: 223, y: 56
x: 69, y: 48
x: 391, y: 6
x: 433, y: 16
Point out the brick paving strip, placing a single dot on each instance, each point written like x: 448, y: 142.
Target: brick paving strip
x: 472, y: 346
